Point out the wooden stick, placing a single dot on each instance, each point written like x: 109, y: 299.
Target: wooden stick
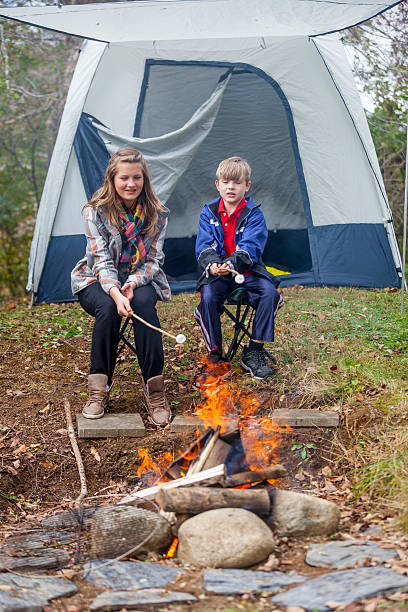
x: 196, y: 467
x: 180, y: 338
x: 269, y: 473
x: 199, y: 499
x: 74, y: 444
x: 217, y: 472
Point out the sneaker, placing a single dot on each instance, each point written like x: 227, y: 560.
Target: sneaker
x: 215, y: 368
x: 254, y: 362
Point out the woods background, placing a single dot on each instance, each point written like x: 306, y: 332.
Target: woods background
x: 35, y: 71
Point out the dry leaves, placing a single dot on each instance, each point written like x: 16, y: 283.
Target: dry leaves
x: 95, y: 454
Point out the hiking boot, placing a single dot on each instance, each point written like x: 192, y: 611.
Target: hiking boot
x: 97, y: 396
x: 254, y: 362
x: 215, y: 368
x: 157, y: 404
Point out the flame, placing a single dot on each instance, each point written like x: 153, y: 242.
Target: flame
x: 225, y: 405
x: 172, y: 549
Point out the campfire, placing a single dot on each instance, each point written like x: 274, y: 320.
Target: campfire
x: 232, y: 463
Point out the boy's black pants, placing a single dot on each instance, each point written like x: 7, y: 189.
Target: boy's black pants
x: 105, y: 336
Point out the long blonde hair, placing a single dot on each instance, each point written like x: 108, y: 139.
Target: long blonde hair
x: 107, y: 197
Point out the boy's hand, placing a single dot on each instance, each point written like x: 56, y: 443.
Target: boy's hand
x: 224, y: 269
x: 214, y: 269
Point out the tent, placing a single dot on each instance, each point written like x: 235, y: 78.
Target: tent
x: 190, y: 82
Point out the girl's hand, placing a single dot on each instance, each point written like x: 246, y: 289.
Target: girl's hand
x: 128, y: 289
x: 122, y: 302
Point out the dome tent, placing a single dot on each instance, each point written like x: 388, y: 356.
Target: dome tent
x: 190, y: 82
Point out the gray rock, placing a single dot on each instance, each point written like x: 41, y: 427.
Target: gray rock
x: 31, y: 594
x: 70, y: 519
x: 140, y: 599
x: 117, y: 529
x: 227, y: 537
x: 38, y: 541
x: 42, y: 562
x: 340, y: 555
x: 122, y: 575
x: 296, y: 514
x: 343, y: 587
x: 234, y: 581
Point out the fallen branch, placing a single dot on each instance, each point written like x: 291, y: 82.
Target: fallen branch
x: 74, y: 444
x: 216, y: 473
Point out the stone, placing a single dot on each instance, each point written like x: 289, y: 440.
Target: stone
x: 117, y: 529
x: 343, y: 586
x: 183, y: 423
x: 43, y: 562
x: 111, y: 426
x: 139, y: 599
x: 31, y: 594
x: 38, y: 541
x: 297, y: 514
x: 226, y: 538
x: 340, y: 555
x: 305, y: 418
x: 235, y: 581
x: 127, y: 575
x: 70, y: 519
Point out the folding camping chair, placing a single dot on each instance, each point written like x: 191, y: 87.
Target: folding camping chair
x: 126, y: 337
x: 242, y: 318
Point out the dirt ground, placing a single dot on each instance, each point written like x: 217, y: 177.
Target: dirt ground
x: 40, y: 369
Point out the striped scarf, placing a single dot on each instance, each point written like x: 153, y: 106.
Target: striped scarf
x: 133, y: 250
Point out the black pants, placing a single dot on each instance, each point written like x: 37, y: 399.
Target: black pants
x: 105, y: 336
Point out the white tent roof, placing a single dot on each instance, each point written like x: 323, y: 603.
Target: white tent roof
x: 196, y: 19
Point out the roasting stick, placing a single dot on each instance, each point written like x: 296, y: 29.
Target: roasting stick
x: 180, y: 338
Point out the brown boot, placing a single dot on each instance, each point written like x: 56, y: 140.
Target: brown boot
x: 157, y: 404
x: 97, y: 397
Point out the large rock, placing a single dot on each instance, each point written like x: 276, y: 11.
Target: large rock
x: 227, y: 537
x: 116, y: 530
x: 296, y: 514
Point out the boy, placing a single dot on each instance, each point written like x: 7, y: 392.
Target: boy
x: 232, y: 234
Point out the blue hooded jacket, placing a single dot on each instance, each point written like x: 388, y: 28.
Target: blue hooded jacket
x: 251, y: 235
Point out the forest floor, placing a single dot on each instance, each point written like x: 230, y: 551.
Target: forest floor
x: 342, y: 350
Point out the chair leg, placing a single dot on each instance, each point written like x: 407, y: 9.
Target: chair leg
x: 240, y: 327
x: 123, y: 339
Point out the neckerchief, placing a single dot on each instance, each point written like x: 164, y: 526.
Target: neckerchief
x: 133, y: 250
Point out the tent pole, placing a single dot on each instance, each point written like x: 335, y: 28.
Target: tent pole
x: 404, y: 238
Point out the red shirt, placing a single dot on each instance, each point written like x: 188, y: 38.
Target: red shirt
x: 229, y: 223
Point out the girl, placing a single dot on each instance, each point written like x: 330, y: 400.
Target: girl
x: 121, y: 274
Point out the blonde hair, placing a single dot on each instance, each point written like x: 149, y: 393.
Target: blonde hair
x: 235, y: 169
x: 107, y: 197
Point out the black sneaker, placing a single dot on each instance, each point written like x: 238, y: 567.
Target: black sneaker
x: 254, y: 362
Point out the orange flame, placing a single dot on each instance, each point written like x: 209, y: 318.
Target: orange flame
x: 172, y: 550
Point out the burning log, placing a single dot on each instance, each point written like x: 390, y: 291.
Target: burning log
x: 200, y: 499
x: 212, y: 475
x: 270, y: 473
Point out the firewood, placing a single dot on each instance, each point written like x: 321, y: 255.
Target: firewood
x: 218, y: 454
x: 214, y: 474
x: 199, y: 499
x: 269, y: 473
x: 197, y: 466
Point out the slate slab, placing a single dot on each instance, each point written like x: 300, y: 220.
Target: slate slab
x: 31, y: 594
x: 38, y: 541
x: 340, y: 555
x: 42, y: 562
x: 139, y: 599
x: 234, y: 581
x: 343, y: 586
x: 122, y: 575
x: 111, y: 426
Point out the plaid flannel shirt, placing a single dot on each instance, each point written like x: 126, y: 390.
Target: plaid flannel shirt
x: 103, y: 249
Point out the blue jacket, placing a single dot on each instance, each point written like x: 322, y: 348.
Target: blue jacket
x: 251, y: 236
